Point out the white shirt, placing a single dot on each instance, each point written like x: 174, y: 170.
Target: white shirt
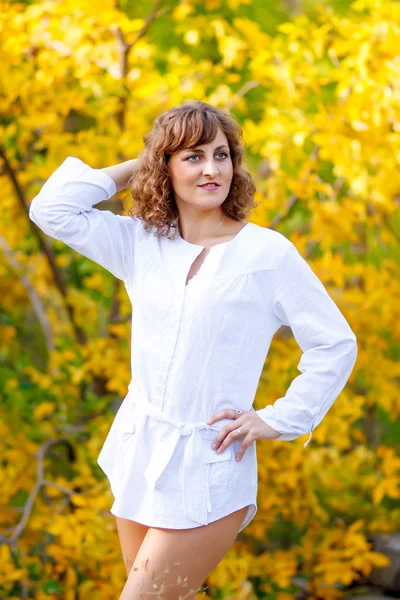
x: 187, y: 369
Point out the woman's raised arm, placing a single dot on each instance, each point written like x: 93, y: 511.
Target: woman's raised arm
x: 63, y: 209
x: 121, y: 173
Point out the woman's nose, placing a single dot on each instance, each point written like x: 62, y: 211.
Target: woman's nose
x: 210, y: 168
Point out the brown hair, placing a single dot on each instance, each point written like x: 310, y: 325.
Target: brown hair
x: 185, y: 125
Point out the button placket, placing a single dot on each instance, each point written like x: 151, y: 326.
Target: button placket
x: 175, y: 317
x: 178, y: 266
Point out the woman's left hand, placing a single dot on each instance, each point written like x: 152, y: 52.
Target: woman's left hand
x: 252, y: 427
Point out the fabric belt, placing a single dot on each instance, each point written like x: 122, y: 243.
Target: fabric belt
x: 196, y: 492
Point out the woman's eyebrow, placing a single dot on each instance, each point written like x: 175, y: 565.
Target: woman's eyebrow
x: 200, y: 150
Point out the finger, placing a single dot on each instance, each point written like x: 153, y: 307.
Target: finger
x: 224, y: 432
x: 232, y: 435
x: 222, y: 414
x: 243, y: 447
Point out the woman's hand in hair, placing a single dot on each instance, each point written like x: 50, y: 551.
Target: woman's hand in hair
x: 121, y: 173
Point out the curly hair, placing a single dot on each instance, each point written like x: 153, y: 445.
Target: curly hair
x: 185, y: 125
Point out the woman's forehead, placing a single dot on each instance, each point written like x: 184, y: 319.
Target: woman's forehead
x: 219, y: 141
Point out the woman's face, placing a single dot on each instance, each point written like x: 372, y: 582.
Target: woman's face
x: 191, y: 168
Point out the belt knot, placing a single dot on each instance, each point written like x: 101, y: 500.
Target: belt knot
x: 185, y: 428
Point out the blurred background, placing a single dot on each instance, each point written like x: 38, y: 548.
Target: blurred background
x: 316, y: 89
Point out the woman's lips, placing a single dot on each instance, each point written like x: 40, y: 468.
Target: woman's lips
x: 209, y: 187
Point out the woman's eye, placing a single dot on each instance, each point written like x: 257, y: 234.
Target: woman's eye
x: 195, y: 155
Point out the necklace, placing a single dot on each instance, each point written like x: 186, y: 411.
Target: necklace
x: 207, y: 236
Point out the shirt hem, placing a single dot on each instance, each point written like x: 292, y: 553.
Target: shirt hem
x: 248, y: 517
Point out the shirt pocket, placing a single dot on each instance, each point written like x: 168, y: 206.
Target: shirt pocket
x: 128, y: 426
x: 218, y: 466
x: 127, y: 441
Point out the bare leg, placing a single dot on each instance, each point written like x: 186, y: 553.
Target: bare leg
x: 174, y: 563
x: 131, y: 536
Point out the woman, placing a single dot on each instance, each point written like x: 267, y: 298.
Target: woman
x: 209, y: 290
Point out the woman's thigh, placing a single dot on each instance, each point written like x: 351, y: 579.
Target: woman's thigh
x: 131, y: 536
x: 176, y: 562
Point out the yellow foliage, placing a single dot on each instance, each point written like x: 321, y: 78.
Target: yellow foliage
x: 192, y: 37
x: 322, y: 127
x: 95, y: 282
x: 43, y: 410
x: 183, y: 10
x: 78, y: 500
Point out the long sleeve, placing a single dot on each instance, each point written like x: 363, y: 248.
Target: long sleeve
x: 329, y: 348
x: 63, y: 209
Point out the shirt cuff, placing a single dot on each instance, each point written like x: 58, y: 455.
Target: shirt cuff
x: 90, y: 175
x: 267, y: 414
x: 108, y: 182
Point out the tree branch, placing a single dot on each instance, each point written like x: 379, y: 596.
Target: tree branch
x: 120, y: 116
x: 16, y: 532
x: 45, y: 248
x: 34, y: 298
x: 124, y: 52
